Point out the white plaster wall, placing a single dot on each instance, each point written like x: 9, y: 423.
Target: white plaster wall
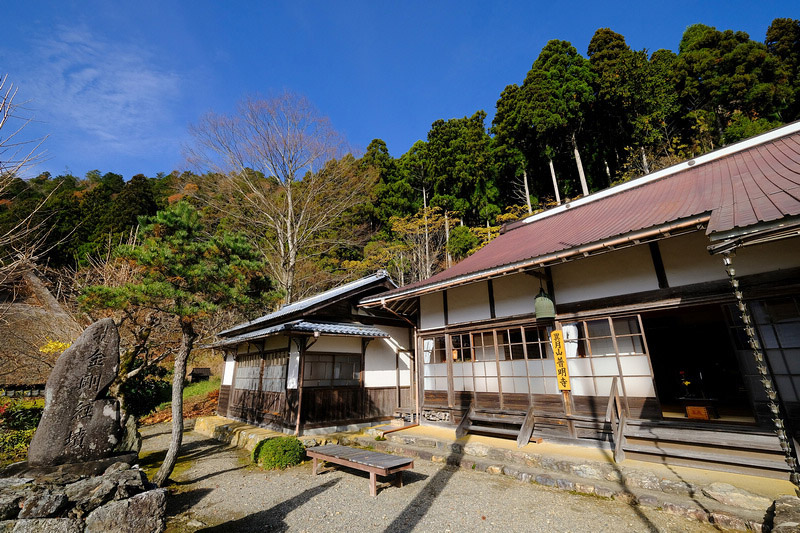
x: 468, y: 303
x: 336, y: 344
x: 227, y: 374
x: 279, y: 342
x: 431, y: 311
x: 768, y: 257
x: 514, y: 294
x: 243, y: 348
x: 614, y: 273
x: 686, y: 260
x: 380, y: 360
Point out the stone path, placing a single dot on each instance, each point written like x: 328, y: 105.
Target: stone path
x: 221, y: 492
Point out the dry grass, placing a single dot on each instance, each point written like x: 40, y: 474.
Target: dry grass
x: 193, y: 407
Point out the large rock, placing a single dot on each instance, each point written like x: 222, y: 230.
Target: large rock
x: 787, y: 515
x: 42, y: 525
x: 43, y: 504
x: 144, y: 513
x: 79, y: 422
x: 730, y: 495
x: 89, y: 494
x: 9, y: 505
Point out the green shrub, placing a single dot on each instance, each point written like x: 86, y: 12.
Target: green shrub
x: 279, y: 452
x: 21, y: 416
x: 146, y: 390
x: 18, y: 420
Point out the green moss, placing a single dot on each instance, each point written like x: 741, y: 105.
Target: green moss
x: 151, y: 462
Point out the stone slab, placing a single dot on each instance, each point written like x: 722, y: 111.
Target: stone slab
x: 79, y: 422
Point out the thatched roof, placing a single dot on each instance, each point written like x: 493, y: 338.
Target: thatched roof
x: 27, y: 323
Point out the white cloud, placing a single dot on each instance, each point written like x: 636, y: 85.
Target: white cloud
x: 111, y: 94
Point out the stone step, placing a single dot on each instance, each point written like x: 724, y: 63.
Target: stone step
x: 587, y: 469
x: 492, y: 430
x: 632, y: 486
x: 516, y: 420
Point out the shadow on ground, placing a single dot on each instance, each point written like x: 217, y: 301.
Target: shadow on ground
x: 190, y: 452
x: 409, y: 476
x: 271, y: 519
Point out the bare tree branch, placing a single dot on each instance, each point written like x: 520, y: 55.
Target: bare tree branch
x: 289, y: 176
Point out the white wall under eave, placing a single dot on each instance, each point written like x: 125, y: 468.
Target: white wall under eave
x: 335, y: 344
x: 468, y: 303
x: 431, y: 311
x: 614, y: 273
x: 767, y: 257
x: 278, y: 342
x: 514, y: 295
x: 380, y: 360
x: 687, y: 261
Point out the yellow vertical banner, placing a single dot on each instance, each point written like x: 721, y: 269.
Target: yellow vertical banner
x: 562, y: 374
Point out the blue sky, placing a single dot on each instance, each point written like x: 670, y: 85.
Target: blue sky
x: 116, y: 84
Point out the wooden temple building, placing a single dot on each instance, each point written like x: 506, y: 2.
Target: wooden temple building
x: 677, y: 298
x: 319, y: 364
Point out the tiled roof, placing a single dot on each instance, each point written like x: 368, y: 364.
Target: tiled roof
x: 302, y: 326
x: 741, y: 185
x: 313, y: 301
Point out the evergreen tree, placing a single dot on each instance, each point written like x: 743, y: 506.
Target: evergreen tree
x: 185, y: 273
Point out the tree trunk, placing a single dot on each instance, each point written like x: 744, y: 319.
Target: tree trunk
x: 427, y: 273
x: 447, y: 239
x: 291, y: 246
x: 188, y: 337
x: 644, y: 162
x: 555, y: 182
x: 527, y: 191
x: 578, y: 162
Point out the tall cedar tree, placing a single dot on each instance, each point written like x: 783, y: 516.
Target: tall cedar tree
x: 186, y: 274
x: 558, y: 90
x: 719, y: 73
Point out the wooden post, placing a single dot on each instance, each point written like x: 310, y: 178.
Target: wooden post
x: 301, y: 355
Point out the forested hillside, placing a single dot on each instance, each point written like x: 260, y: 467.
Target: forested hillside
x: 573, y: 124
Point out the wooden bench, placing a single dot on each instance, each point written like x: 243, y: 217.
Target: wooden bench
x: 376, y: 463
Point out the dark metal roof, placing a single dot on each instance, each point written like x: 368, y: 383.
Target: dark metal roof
x: 302, y: 326
x: 741, y: 185
x: 380, y: 277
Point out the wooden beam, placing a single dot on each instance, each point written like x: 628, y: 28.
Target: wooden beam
x: 492, y: 312
x: 658, y: 265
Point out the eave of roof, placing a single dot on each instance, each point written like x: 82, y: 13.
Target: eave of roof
x: 304, y: 327
x: 754, y: 181
x: 307, y: 304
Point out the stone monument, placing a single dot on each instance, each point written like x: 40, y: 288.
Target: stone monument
x: 77, y: 477
x: 80, y: 422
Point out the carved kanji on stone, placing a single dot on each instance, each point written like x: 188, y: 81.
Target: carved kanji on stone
x: 80, y: 423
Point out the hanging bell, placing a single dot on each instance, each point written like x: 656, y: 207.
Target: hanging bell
x: 544, y: 306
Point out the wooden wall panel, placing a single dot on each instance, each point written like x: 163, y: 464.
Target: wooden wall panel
x: 383, y: 401
x: 548, y: 405
x: 462, y: 400
x: 435, y: 398
x: 222, y: 401
x: 595, y: 406
x: 516, y: 402
x: 487, y: 400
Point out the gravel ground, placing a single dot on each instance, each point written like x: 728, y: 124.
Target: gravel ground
x: 221, y: 492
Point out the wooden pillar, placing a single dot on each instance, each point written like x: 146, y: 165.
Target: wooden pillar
x: 301, y: 349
